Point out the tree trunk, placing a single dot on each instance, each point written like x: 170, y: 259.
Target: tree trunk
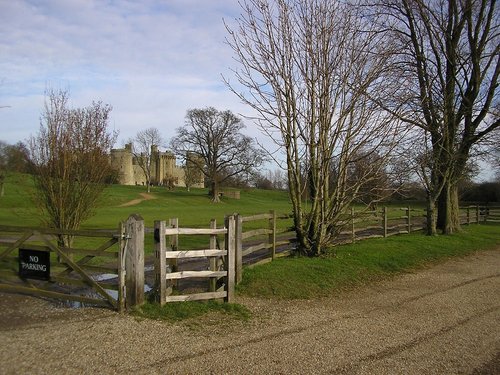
x: 448, y: 216
x: 431, y: 216
x: 214, y: 192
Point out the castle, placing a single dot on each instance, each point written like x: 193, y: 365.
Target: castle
x: 164, y: 170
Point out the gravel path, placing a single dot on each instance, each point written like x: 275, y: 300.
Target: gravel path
x: 440, y: 320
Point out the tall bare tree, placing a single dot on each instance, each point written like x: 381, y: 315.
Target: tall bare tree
x: 448, y: 55
x: 305, y: 68
x: 215, y: 138
x: 144, y: 147
x: 70, y: 158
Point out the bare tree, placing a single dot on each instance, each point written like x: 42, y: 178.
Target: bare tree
x: 215, y: 137
x: 306, y: 67
x: 144, y: 149
x: 448, y: 60
x: 70, y: 158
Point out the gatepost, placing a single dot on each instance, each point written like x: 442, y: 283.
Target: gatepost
x: 134, y: 260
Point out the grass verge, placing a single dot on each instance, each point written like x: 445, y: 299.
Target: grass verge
x: 177, y: 311
x: 360, y: 263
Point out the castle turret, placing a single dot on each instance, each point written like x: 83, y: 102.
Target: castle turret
x: 121, y: 160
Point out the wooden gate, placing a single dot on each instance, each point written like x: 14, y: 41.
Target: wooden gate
x: 90, y: 271
x: 165, y: 275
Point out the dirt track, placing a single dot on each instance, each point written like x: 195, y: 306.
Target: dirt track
x: 441, y: 320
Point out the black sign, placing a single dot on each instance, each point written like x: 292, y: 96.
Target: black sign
x: 34, y: 264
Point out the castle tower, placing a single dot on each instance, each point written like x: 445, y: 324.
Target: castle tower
x: 121, y: 160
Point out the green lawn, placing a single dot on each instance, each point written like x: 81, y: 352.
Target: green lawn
x: 361, y: 263
x: 192, y: 208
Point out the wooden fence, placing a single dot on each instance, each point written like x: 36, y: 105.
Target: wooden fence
x: 356, y: 225
x: 165, y: 276
x: 265, y: 238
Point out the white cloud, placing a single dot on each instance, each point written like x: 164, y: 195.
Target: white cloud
x: 151, y: 60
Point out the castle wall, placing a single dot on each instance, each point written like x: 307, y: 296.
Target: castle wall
x: 163, y: 166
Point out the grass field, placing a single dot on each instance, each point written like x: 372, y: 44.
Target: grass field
x: 288, y: 278
x: 362, y: 262
x: 193, y: 209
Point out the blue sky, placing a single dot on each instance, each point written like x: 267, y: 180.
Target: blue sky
x: 151, y: 60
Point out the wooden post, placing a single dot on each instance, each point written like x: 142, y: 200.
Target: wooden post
x: 135, y: 260
x: 160, y: 261
x: 213, y: 261
x: 468, y: 215
x: 408, y: 218
x: 272, y: 235
x: 121, y: 267
x: 174, y: 246
x: 230, y: 264
x: 353, y: 230
x: 238, y: 248
x: 477, y: 214
x: 384, y: 223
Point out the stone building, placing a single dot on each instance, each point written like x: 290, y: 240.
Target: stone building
x: 164, y: 169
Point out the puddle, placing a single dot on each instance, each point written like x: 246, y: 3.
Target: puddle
x: 93, y: 294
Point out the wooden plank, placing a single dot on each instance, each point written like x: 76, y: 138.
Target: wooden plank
x: 197, y: 297
x: 212, y: 283
x: 194, y: 254
x: 134, y: 263
x: 122, y: 294
x: 246, y: 219
x: 285, y: 242
x: 372, y: 236
x: 372, y: 227
x: 260, y: 262
x: 92, y: 253
x: 230, y: 259
x: 51, y: 294
x: 255, y: 232
x: 100, y: 269
x: 16, y: 244
x: 395, y: 233
x: 194, y: 231
x: 80, y: 282
x: 238, y: 248
x: 106, y: 233
x: 192, y: 274
x: 251, y: 249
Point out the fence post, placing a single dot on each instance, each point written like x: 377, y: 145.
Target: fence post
x: 135, y: 260
x: 384, y: 212
x: 477, y: 214
x: 213, y: 260
x: 353, y: 230
x: 468, y: 215
x: 230, y: 263
x: 160, y: 261
x: 408, y: 213
x: 272, y: 235
x: 238, y: 248
x: 174, y: 246
x: 121, y: 264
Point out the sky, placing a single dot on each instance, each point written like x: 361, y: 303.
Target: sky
x: 151, y: 60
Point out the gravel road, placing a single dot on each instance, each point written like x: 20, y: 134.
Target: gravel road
x: 441, y: 320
